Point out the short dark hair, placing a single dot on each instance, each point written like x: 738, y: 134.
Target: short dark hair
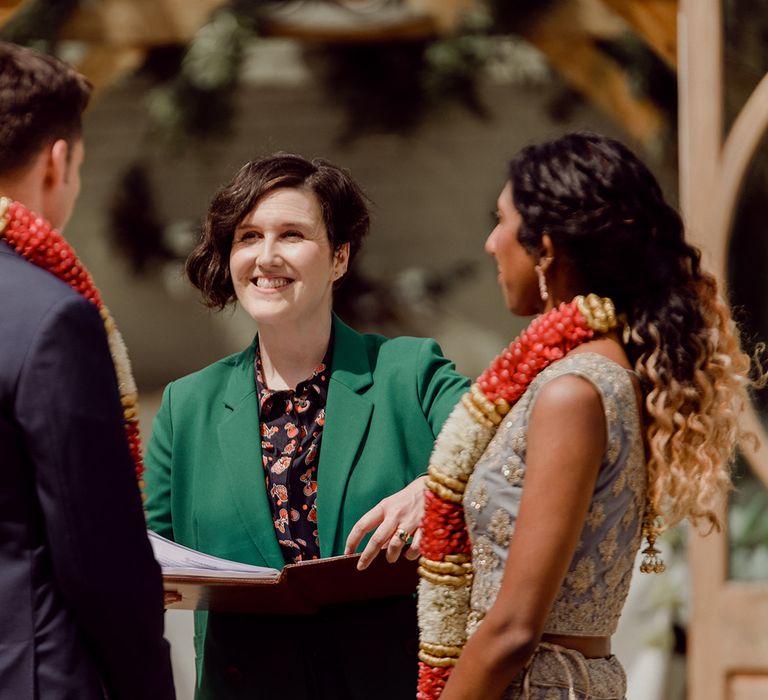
x: 42, y: 100
x: 342, y: 202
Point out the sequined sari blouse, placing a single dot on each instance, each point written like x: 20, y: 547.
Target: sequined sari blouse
x: 592, y: 595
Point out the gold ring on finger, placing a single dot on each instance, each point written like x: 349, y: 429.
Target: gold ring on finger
x: 404, y: 536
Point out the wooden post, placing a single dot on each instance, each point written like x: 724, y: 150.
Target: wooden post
x: 728, y: 635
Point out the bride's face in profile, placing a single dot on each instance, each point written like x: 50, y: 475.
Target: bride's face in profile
x: 517, y: 276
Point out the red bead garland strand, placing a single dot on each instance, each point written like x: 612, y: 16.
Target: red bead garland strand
x: 444, y: 531
x: 548, y: 338
x: 37, y: 241
x: 432, y: 680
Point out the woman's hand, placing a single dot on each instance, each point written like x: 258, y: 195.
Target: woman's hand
x: 396, y: 519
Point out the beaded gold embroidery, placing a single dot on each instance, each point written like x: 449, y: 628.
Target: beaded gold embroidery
x: 630, y: 515
x: 619, y: 484
x: 517, y: 441
x: 501, y: 527
x: 616, y: 574
x: 513, y: 470
x: 582, y: 576
x: 480, y: 499
x: 596, y: 516
x: 608, y: 546
x: 484, y: 557
x: 593, y: 592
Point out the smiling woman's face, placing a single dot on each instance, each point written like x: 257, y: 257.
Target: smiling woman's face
x: 281, y: 262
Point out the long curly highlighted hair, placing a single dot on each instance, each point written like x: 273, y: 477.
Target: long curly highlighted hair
x: 606, y: 215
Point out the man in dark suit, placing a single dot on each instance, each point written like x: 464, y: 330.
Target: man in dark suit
x: 81, y: 602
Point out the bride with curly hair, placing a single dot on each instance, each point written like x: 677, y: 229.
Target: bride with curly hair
x: 611, y: 418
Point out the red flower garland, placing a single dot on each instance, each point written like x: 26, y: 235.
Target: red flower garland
x: 445, y: 544
x: 33, y: 238
x: 548, y: 338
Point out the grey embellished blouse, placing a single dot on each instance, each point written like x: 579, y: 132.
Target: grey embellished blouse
x: 590, y: 600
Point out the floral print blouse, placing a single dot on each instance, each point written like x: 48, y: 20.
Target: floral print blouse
x: 291, y: 424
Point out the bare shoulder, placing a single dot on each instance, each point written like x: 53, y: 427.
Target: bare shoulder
x: 569, y: 392
x: 567, y: 426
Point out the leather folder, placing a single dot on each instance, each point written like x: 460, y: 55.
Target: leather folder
x: 299, y: 589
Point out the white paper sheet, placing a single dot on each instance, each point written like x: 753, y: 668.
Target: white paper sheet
x: 178, y: 560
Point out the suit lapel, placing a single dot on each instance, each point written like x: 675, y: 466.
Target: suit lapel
x: 347, y: 415
x: 240, y: 445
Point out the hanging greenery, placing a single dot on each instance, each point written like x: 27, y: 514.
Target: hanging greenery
x: 393, y: 86
x: 196, y: 85
x: 456, y: 64
x: 383, y: 86
x: 138, y: 232
x: 38, y: 22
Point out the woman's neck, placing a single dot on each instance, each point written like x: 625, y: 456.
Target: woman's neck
x: 289, y: 356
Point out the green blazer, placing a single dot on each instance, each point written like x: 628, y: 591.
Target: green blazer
x: 205, y: 484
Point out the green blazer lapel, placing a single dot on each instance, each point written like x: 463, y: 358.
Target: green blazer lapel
x: 240, y: 445
x: 347, y: 414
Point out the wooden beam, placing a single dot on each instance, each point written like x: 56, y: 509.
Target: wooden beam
x: 655, y: 21
x: 139, y: 23
x: 8, y: 8
x: 567, y: 37
x: 331, y: 23
x: 598, y: 78
x: 299, y: 29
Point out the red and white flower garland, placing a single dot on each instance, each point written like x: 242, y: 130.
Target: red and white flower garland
x: 445, y: 566
x: 34, y: 239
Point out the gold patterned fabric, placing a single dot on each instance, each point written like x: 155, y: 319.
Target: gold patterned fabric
x: 592, y: 595
x: 555, y: 672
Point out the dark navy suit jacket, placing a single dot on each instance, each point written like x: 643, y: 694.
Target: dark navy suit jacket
x: 81, y: 605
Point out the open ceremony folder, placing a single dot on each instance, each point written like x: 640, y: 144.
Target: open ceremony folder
x: 209, y: 583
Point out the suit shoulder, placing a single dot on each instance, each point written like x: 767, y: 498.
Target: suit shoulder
x: 36, y: 304
x: 23, y: 283
x: 402, y: 347
x: 402, y: 359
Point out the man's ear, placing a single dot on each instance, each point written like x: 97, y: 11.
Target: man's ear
x: 340, y: 261
x: 58, y: 159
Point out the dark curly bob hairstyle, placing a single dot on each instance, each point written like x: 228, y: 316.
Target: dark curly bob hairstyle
x: 606, y: 216
x: 345, y: 215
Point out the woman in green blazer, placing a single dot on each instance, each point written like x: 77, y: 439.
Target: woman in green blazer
x: 299, y: 445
